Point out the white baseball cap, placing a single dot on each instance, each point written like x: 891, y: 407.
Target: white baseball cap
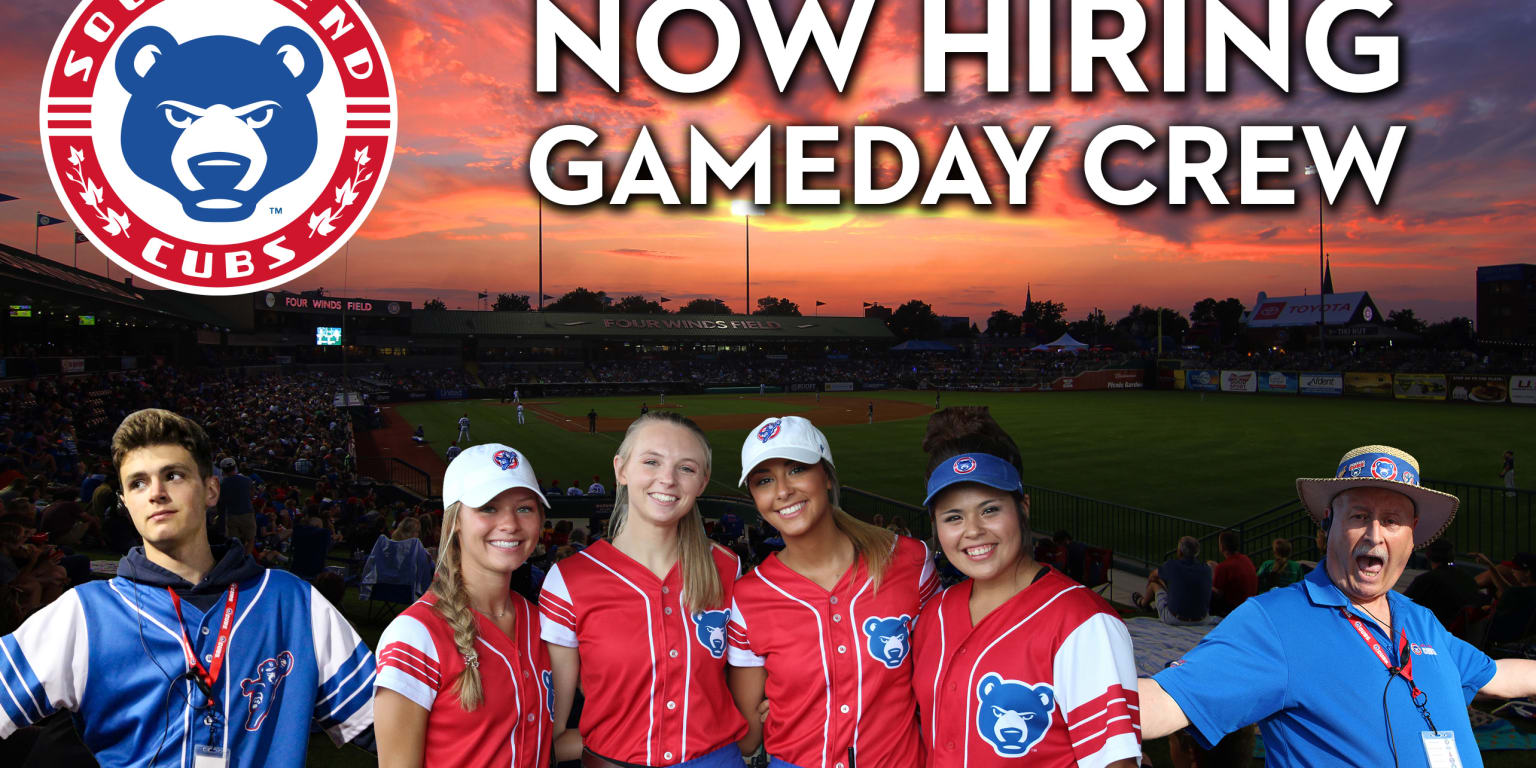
x: 783, y: 437
x: 480, y: 472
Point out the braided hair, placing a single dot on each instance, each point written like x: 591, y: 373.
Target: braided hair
x: 453, y: 605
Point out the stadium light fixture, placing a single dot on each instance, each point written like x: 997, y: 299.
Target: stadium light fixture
x: 746, y: 210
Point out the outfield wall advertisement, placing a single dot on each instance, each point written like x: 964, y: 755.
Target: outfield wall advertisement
x: 1522, y: 389
x: 1478, y: 388
x: 1100, y: 380
x: 1278, y: 382
x: 1371, y: 384
x: 1418, y: 386
x: 1321, y: 384
x: 1239, y: 381
x: 1202, y: 380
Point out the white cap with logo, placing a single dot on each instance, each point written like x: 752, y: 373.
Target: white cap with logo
x: 783, y: 437
x: 481, y: 472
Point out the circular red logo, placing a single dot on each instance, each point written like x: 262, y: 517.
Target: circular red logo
x: 218, y: 148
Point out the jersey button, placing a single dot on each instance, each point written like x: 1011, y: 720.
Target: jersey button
x: 837, y: 617
x: 833, y: 599
x: 666, y: 755
x: 208, y: 659
x: 844, y: 709
x: 839, y: 765
x: 672, y: 653
x: 530, y: 717
x: 842, y: 649
x: 205, y: 630
x: 671, y: 705
x: 667, y: 610
x: 950, y: 746
x: 666, y: 591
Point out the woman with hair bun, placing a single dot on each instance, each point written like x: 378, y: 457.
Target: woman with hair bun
x: 640, y: 619
x: 1018, y: 659
x: 463, y: 679
x: 822, y: 628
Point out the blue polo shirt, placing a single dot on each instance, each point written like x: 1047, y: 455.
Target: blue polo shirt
x: 1289, y: 661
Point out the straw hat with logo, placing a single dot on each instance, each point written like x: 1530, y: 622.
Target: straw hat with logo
x: 1382, y: 466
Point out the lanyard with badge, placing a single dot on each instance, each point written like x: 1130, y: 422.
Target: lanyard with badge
x: 1439, y: 746
x: 211, y: 755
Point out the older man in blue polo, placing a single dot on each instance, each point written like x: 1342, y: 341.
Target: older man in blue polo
x: 1339, y: 669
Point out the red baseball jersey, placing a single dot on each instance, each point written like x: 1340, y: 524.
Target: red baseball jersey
x: 1049, y: 674
x: 838, y: 669
x: 654, y: 675
x: 512, y: 726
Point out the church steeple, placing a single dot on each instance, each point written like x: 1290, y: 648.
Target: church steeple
x: 1028, y: 302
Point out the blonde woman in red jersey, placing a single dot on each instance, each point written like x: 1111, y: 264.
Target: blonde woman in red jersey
x: 822, y: 628
x: 463, y: 678
x: 641, y: 621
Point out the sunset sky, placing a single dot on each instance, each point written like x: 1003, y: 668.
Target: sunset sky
x: 459, y: 215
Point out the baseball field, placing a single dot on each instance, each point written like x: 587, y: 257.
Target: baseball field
x: 1219, y: 457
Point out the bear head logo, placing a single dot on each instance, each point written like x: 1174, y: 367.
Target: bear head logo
x: 709, y: 630
x: 261, y: 691
x: 887, y: 639
x: 218, y: 122
x: 1013, y: 716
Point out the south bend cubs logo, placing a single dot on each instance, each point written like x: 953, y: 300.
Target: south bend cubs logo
x: 1013, y: 716
x: 505, y: 459
x: 1384, y: 469
x: 886, y: 638
x: 769, y: 431
x: 261, y: 691
x: 964, y: 465
x: 218, y: 148
x: 709, y: 630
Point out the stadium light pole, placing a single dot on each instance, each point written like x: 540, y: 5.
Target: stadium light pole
x: 541, y: 251
x: 1322, y: 299
x: 746, y: 210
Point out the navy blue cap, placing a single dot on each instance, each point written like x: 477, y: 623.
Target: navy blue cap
x: 981, y: 468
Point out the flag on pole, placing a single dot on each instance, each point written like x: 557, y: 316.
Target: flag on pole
x: 80, y: 238
x: 482, y: 295
x: 4, y: 198
x: 663, y: 300
x: 548, y: 297
x: 823, y: 304
x: 44, y: 220
x: 867, y: 304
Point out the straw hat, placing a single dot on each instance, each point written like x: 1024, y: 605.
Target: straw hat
x: 1382, y: 466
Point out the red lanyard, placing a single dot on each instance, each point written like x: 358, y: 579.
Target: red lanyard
x: 210, y: 674
x: 1418, y: 697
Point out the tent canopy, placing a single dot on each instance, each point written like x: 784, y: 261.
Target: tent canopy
x: 1065, y: 343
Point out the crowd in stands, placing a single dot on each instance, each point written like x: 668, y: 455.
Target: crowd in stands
x: 1364, y: 358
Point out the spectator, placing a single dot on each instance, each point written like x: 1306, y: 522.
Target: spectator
x: 67, y: 524
x: 1280, y: 570
x: 1234, y: 579
x: 1515, y: 572
x: 596, y: 488
x: 552, y: 490
x: 574, y: 490
x: 1180, y: 590
x: 1072, y: 555
x: 1444, y: 589
x: 452, y: 452
x: 235, y: 504
x: 1508, y: 473
x: 1235, y: 750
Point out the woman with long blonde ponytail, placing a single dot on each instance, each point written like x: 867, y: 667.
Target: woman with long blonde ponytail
x: 463, y: 679
x: 823, y: 626
x: 640, y: 621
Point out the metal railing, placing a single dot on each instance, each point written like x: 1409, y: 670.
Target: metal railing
x: 1496, y: 521
x: 1140, y: 538
x: 398, y: 472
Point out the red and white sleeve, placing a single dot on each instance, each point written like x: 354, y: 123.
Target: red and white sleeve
x: 739, y: 642
x: 1095, y: 674
x: 408, y: 661
x: 928, y: 581
x: 557, y: 612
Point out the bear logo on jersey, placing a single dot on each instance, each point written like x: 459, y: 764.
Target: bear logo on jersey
x: 549, y: 693
x: 261, y: 690
x: 886, y: 639
x: 709, y: 629
x: 218, y: 122
x: 1013, y: 716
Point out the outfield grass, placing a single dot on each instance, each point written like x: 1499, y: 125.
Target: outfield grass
x: 1219, y: 457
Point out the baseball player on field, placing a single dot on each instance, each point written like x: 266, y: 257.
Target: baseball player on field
x: 822, y: 629
x: 641, y: 620
x: 189, y: 656
x: 463, y: 429
x: 520, y: 413
x: 1019, y: 660
x: 463, y: 678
